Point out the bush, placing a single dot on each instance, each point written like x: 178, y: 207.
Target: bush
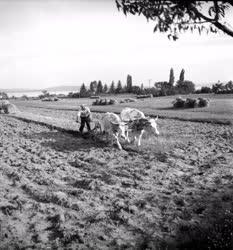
x: 50, y: 99
x: 202, y: 102
x: 112, y: 101
x: 144, y: 96
x: 179, y: 103
x: 104, y: 102
x: 190, y: 103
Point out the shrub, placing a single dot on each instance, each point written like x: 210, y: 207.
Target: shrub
x: 144, y: 96
x: 190, y: 103
x: 112, y: 101
x: 179, y: 103
x: 101, y: 102
x: 104, y: 102
x: 202, y: 102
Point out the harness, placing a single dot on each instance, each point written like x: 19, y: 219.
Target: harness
x: 138, y: 125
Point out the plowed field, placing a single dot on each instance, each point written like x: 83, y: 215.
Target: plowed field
x: 63, y: 191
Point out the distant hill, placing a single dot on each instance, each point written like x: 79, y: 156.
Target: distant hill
x: 63, y: 88
x: 18, y: 90
x: 51, y: 89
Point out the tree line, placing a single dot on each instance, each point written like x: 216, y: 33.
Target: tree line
x: 164, y: 88
x: 217, y: 88
x: 98, y: 88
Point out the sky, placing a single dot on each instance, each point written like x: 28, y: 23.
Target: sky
x: 46, y: 43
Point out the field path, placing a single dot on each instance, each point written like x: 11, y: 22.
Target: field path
x: 61, y: 191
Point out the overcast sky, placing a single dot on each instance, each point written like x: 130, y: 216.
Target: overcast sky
x: 46, y: 43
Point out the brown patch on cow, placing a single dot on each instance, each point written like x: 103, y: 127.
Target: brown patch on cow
x: 138, y: 124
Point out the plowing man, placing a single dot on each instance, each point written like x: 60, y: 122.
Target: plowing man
x: 85, y: 115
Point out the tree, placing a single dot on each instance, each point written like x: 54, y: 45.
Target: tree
x: 164, y: 88
x: 136, y: 90
x: 119, y: 88
x: 93, y: 87
x: 204, y: 90
x: 220, y: 88
x: 129, y: 84
x: 176, y: 16
x: 229, y: 86
x: 171, y: 77
x: 112, y: 88
x: 83, y: 91
x: 105, y: 88
x: 217, y: 87
x: 99, y: 87
x: 142, y: 89
x: 182, y: 76
x: 45, y: 93
x: 152, y: 91
x: 73, y: 95
x: 185, y: 87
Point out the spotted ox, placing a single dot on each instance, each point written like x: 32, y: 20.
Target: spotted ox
x: 138, y: 124
x: 112, y: 125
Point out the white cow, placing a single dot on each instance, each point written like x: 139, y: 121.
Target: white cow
x: 138, y: 124
x: 130, y: 114
x: 112, y: 125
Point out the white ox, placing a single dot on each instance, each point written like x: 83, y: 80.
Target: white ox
x: 112, y: 125
x: 138, y: 124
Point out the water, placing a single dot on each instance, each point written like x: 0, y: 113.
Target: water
x: 35, y: 93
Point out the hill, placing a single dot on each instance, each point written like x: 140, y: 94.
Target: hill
x: 64, y: 88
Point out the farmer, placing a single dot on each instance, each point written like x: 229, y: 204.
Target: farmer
x: 85, y: 115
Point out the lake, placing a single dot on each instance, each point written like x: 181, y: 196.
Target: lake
x: 35, y: 93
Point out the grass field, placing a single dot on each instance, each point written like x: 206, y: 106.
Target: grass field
x: 220, y: 109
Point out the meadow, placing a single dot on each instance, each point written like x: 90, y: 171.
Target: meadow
x: 59, y: 190
x: 219, y: 111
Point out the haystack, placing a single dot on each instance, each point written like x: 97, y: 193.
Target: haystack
x: 8, y: 108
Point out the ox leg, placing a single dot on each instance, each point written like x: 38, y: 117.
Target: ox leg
x: 127, y: 136
x: 134, y: 139
x: 117, y: 141
x: 140, y: 138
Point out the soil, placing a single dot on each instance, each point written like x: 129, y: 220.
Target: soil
x: 63, y: 191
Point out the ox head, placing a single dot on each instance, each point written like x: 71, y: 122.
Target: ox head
x: 119, y: 127
x: 151, y: 125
